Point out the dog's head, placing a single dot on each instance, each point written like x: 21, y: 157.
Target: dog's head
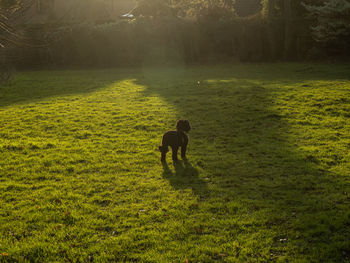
x: 183, y: 125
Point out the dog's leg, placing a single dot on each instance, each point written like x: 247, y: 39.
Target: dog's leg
x: 183, y: 151
x: 163, y: 150
x: 184, y: 146
x: 175, y: 149
x: 163, y: 157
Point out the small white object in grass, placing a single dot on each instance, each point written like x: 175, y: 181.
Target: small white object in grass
x: 129, y: 16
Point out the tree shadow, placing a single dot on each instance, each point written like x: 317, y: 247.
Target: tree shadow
x: 244, y: 140
x: 27, y: 87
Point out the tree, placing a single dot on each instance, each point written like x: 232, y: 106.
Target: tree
x: 287, y: 26
x: 210, y: 9
x: 10, y: 13
x: 247, y: 7
x: 154, y: 8
x: 331, y: 28
x: 332, y: 21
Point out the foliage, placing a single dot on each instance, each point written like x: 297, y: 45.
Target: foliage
x: 154, y: 8
x: 197, y: 9
x: 333, y: 20
x: 156, y: 40
x: 267, y: 179
x: 6, y: 73
x: 277, y: 8
x: 173, y: 32
x: 331, y: 27
x: 210, y: 9
x: 12, y: 39
x: 10, y: 14
x: 120, y: 43
x: 245, y: 8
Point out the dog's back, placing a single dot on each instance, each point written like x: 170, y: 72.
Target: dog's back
x: 170, y: 138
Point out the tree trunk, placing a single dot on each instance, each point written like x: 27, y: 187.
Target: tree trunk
x: 288, y: 29
x: 271, y: 9
x: 271, y: 14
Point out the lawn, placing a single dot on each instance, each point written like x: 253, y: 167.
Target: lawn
x: 267, y: 177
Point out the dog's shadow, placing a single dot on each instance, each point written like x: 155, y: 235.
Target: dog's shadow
x: 185, y: 176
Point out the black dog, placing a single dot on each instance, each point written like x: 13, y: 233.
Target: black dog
x: 175, y: 139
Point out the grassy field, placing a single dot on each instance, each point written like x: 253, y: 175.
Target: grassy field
x: 267, y: 177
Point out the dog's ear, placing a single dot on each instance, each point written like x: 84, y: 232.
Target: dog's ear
x: 187, y: 126
x: 179, y: 124
x: 183, y: 125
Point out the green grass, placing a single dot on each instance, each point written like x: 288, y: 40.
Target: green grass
x: 267, y: 177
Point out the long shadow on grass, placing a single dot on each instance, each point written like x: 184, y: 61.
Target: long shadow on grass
x: 185, y: 176
x: 27, y: 87
x: 244, y: 144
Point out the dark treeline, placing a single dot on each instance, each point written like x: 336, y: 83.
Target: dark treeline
x: 176, y: 31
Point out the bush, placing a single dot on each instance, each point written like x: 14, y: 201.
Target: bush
x: 144, y: 40
x: 159, y: 40
x: 6, y: 69
x: 332, y: 26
